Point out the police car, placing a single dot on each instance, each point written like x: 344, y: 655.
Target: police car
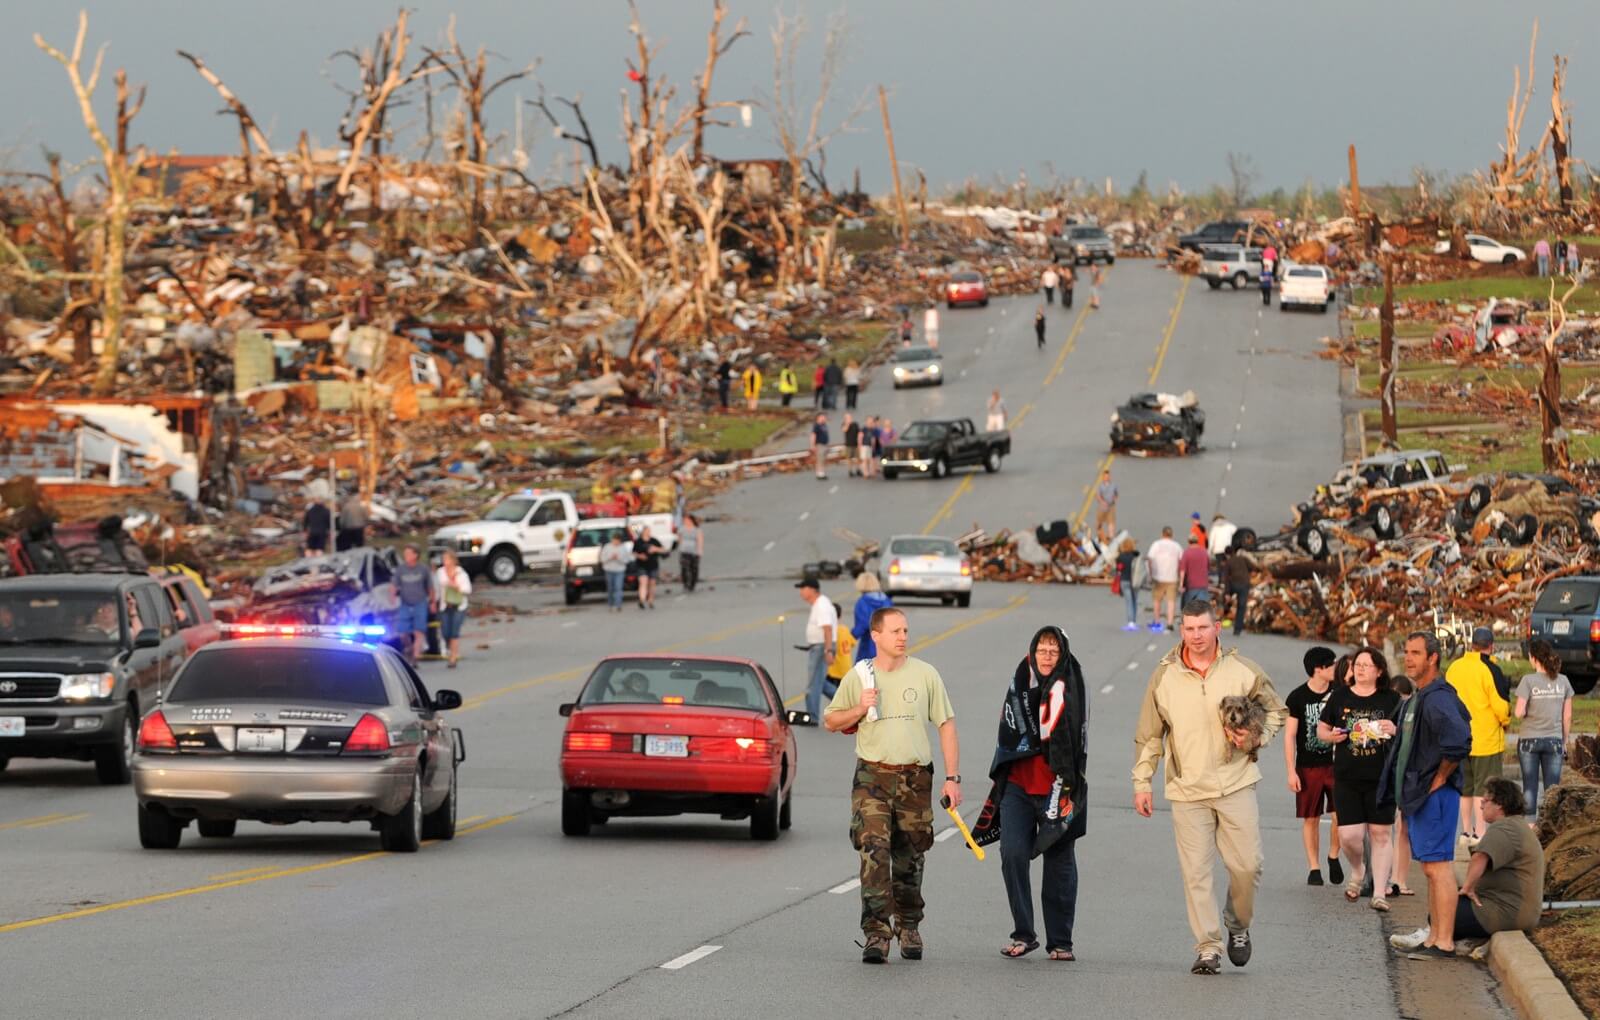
x: 298, y: 723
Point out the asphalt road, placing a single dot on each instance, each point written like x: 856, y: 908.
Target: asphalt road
x: 514, y: 920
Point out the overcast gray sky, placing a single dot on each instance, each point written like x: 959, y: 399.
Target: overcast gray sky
x: 1079, y: 89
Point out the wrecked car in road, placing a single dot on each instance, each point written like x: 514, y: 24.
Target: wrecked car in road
x: 1158, y: 423
x: 351, y: 587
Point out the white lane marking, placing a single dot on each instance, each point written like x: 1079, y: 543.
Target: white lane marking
x: 768, y: 546
x: 804, y: 514
x: 1150, y: 647
x: 1241, y: 409
x: 1108, y: 688
x: 1222, y: 493
x: 946, y: 834
x: 833, y: 489
x: 1238, y: 425
x: 1233, y: 445
x: 1229, y: 467
x: 1132, y: 666
x: 679, y: 598
x: 689, y: 957
x: 569, y: 623
x: 963, y: 374
x: 844, y: 887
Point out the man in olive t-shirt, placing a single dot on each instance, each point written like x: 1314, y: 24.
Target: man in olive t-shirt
x: 1505, y: 878
x: 887, y: 702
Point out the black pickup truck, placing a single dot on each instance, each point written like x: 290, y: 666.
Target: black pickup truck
x: 1220, y: 232
x: 934, y: 447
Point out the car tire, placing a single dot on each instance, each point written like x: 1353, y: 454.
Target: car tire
x: 947, y: 600
x: 4, y: 761
x: 1313, y: 541
x: 1582, y: 683
x: 1325, y: 306
x: 1477, y: 498
x: 1383, y: 521
x: 217, y: 828
x: 1524, y: 529
x: 940, y: 468
x: 1239, y: 280
x: 766, y: 820
x: 1244, y: 538
x: 440, y: 823
x: 1214, y: 284
x: 573, y: 595
x: 890, y: 474
x: 158, y: 830
x: 991, y: 460
x: 984, y: 303
x: 113, y: 763
x: 950, y: 305
x: 401, y: 833
x: 575, y: 817
x: 786, y: 813
x: 502, y: 565
x: 1509, y: 260
x: 1111, y: 260
x: 964, y: 599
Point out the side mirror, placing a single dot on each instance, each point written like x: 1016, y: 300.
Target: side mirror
x: 444, y: 700
x: 799, y: 717
x: 150, y: 637
x: 566, y: 710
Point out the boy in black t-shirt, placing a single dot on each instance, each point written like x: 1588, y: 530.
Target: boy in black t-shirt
x: 1310, y: 762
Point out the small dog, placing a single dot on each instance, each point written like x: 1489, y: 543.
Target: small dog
x: 1240, y: 713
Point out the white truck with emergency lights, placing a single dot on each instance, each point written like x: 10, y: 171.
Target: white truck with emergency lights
x: 529, y: 530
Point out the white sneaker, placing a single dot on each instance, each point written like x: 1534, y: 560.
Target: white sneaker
x: 1409, y: 941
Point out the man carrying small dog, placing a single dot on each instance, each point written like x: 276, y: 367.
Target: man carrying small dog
x: 1212, y: 792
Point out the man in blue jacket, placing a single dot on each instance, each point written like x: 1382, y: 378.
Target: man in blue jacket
x: 1422, y: 774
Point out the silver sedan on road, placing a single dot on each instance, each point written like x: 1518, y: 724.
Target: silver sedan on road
x: 287, y: 728
x: 926, y: 565
x: 917, y: 366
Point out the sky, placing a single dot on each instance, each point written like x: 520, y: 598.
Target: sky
x: 1051, y: 90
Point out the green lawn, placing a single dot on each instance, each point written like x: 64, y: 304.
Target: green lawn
x: 1407, y: 418
x: 1474, y: 289
x: 733, y: 433
x: 1369, y: 329
x: 1500, y: 450
x: 1573, y: 376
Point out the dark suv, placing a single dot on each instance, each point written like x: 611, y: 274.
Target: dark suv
x: 81, y: 656
x: 1567, y: 614
x: 1220, y: 232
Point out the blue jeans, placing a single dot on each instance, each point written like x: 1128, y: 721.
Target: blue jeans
x: 1130, y: 596
x: 1544, y: 265
x: 615, y: 581
x: 1019, y: 822
x: 450, y: 619
x: 816, y: 676
x: 1540, y: 758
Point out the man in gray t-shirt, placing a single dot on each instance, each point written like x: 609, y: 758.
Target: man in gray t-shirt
x: 413, y: 583
x: 1105, y: 507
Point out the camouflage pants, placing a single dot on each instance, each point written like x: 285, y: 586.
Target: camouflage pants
x: 891, y: 824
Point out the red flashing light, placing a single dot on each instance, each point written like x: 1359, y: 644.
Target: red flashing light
x: 369, y: 734
x: 1594, y: 630
x: 155, y: 733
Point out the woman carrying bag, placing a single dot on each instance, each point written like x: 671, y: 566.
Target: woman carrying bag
x: 455, y: 585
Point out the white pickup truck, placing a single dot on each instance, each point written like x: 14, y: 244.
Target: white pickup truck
x: 529, y: 530
x: 1305, y: 286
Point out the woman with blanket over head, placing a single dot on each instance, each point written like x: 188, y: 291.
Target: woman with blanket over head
x: 1037, y: 803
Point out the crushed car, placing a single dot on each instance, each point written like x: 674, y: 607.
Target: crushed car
x: 1157, y: 423
x: 355, y: 587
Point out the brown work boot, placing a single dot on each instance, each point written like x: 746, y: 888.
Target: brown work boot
x: 876, y: 949
x: 910, y: 943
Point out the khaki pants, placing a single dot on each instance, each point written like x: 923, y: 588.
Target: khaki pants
x: 1232, y: 826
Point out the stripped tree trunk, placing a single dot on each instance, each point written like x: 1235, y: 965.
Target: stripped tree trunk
x: 1386, y: 355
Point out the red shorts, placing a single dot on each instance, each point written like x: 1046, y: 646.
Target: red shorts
x: 1316, y: 791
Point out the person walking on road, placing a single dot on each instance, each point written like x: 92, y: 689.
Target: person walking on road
x: 1105, y: 507
x: 822, y: 637
x: 1475, y: 684
x: 1358, y: 721
x: 1309, y: 761
x: 724, y: 381
x: 691, y: 546
x: 413, y: 583
x: 818, y: 387
x: 1038, y: 326
x: 1197, y: 528
x: 318, y: 522
x: 996, y: 416
x: 1195, y: 569
x: 1544, y: 704
x: 453, y: 585
x: 866, y: 442
x: 1212, y: 793
x: 1069, y: 280
x: 1266, y: 285
x: 1269, y: 259
x: 872, y: 599
x: 750, y: 383
x: 1127, y: 556
x: 647, y: 554
x: 888, y: 701
x: 1422, y: 774
x: 1036, y: 806
x: 832, y: 379
x: 788, y: 385
x: 1219, y: 537
x: 614, y: 559
x: 819, y: 445
x: 1574, y: 258
x: 353, y: 519
x: 1097, y: 276
x: 852, y: 383
x: 1048, y: 281
x: 852, y: 438
x: 1237, y: 585
x: 1162, y: 559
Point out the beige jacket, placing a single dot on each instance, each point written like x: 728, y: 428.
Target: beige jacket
x: 1181, y: 719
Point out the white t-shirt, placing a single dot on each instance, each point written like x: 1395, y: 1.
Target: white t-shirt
x: 1163, y: 559
x: 822, y: 615
x: 1220, y: 537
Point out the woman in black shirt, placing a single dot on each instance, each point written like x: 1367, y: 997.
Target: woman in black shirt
x: 1359, y: 721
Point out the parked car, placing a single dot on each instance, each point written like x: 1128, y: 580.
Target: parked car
x: 926, y: 565
x: 1233, y: 264
x: 674, y: 734
x: 529, y: 530
x: 1305, y: 287
x: 966, y: 287
x: 917, y: 366
x: 1219, y: 232
x: 581, y: 571
x: 1158, y: 422
x: 1398, y: 470
x: 1567, y: 614
x: 1084, y: 244
x: 192, y: 610
x: 303, y: 727
x: 1485, y: 249
x: 934, y: 447
x: 81, y: 656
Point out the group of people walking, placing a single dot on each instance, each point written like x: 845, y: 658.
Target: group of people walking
x: 863, y: 444
x: 1209, y: 562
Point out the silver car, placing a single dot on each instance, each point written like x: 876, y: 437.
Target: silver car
x: 287, y: 728
x: 926, y: 565
x: 917, y: 366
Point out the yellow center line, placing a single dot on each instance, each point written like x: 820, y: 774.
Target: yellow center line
x: 1072, y: 341
x: 1172, y: 325
x: 1088, y: 493
x: 1017, y: 421
x: 28, y: 823
x: 233, y: 883
x: 243, y: 872
x: 948, y: 505
x: 57, y: 821
x: 470, y: 819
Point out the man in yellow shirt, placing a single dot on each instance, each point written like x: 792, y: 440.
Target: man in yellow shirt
x: 1474, y: 682
x: 751, y: 380
x: 886, y: 701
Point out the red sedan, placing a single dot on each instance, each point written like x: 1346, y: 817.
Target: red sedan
x: 966, y: 287
x: 658, y: 735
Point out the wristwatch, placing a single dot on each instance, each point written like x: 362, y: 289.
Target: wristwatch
x: 954, y: 779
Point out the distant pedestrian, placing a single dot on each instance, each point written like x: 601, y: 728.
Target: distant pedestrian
x: 1490, y: 712
x: 647, y: 554
x: 614, y: 559
x: 852, y: 383
x: 413, y: 584
x: 1127, y: 556
x: 1541, y: 254
x: 822, y: 639
x: 864, y: 446
x: 1269, y: 259
x: 819, y: 445
x: 1237, y: 585
x: 318, y: 523
x: 1561, y: 254
x: 872, y: 599
x: 906, y: 329
x: 832, y: 379
x: 1544, y: 704
x: 1197, y: 528
x: 1048, y: 281
x: 453, y: 585
x: 1105, y: 507
x: 750, y: 383
x: 352, y: 523
x: 1219, y: 537
x: 788, y: 385
x: 1309, y: 762
x: 818, y: 387
x: 1358, y: 721
x: 996, y: 419
x: 1195, y: 570
x: 852, y: 439
x: 886, y: 434
x: 724, y: 381
x: 1266, y: 286
x: 930, y: 325
x: 1574, y: 259
x: 1038, y: 326
x: 691, y: 546
x: 1097, y: 276
x: 1162, y: 559
x: 1069, y: 280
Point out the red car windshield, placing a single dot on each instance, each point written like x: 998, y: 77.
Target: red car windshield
x: 675, y: 681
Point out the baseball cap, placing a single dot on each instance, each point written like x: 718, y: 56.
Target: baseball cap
x: 1195, y: 516
x: 809, y: 582
x: 1483, y: 636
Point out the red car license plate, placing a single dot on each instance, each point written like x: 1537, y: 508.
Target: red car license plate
x: 666, y: 747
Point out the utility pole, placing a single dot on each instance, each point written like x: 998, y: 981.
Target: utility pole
x: 894, y: 169
x: 1386, y: 356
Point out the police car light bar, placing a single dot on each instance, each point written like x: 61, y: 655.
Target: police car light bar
x: 348, y: 631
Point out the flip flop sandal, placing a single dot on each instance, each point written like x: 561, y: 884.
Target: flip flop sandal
x: 1018, y: 949
x: 1404, y: 891
x: 1064, y: 955
x: 1380, y: 904
x: 1352, y: 890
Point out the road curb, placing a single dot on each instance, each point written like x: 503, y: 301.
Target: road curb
x: 1530, y: 985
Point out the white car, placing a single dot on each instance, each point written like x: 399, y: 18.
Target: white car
x: 926, y: 565
x: 527, y: 530
x: 1305, y: 287
x: 1485, y: 249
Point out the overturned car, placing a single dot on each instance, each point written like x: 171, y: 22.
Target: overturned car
x: 1158, y: 423
x: 351, y: 587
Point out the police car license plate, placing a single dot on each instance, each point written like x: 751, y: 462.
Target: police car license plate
x: 12, y: 725
x: 666, y: 747
x: 1560, y: 626
x: 264, y: 739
